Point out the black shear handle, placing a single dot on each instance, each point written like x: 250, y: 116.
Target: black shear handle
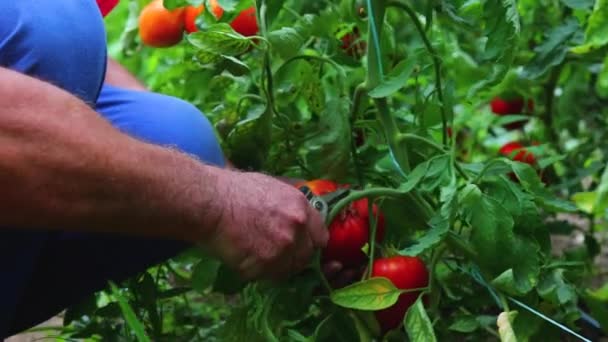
x: 315, y: 201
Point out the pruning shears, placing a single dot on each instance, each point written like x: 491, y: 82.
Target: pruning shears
x: 324, y: 203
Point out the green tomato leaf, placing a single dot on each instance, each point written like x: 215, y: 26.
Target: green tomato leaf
x: 596, y: 34
x: 373, y: 294
x: 579, y: 4
x: 286, y: 41
x: 430, y: 174
x: 329, y: 149
x: 465, y: 324
x: 395, y: 80
x: 129, y: 314
x: 418, y: 325
x: 205, y: 274
x: 553, y: 50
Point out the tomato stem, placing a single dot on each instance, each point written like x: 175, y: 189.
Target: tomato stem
x: 355, y: 195
x: 373, y: 223
x: 354, y: 113
x: 436, y: 62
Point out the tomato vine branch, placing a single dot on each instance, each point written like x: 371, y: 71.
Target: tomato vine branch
x: 436, y: 61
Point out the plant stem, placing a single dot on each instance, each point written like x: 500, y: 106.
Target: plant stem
x: 373, y: 222
x: 369, y: 193
x: 436, y: 61
x: 428, y: 142
x: 399, y: 150
x: 354, y: 113
x: 549, y: 99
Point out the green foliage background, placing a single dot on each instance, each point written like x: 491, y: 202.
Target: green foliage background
x: 290, y: 103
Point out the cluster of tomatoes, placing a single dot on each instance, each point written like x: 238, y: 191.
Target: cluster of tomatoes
x: 160, y: 27
x: 510, y: 106
x: 349, y: 233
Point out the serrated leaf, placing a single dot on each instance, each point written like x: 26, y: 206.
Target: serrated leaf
x: 495, y: 241
x: 440, y: 224
x: 596, y: 34
x: 553, y: 50
x: 418, y: 325
x: 430, y: 174
x: 329, y: 150
x: 531, y: 182
x: 465, y: 324
x: 286, y: 41
x: 395, y: 80
x: 373, y: 294
x: 217, y: 41
x: 130, y: 317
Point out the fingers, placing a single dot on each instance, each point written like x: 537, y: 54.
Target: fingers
x: 331, y: 269
x: 316, y: 228
x: 338, y: 276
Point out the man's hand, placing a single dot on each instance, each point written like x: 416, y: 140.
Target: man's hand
x: 266, y: 228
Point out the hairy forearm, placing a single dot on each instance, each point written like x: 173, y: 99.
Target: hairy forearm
x: 62, y: 166
x: 119, y: 76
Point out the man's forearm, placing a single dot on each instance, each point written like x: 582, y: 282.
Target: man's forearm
x: 119, y: 76
x: 63, y: 166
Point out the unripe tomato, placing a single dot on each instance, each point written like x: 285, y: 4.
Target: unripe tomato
x: 190, y: 16
x: 160, y: 27
x: 512, y: 106
x: 405, y: 273
x: 522, y: 156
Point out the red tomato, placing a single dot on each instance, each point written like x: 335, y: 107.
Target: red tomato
x: 246, y: 23
x: 352, y: 44
x: 320, y: 187
x: 160, y: 27
x: 405, y: 273
x: 349, y: 232
x: 190, y: 18
x: 522, y: 156
x: 501, y: 106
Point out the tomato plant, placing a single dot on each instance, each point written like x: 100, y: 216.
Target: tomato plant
x: 292, y: 88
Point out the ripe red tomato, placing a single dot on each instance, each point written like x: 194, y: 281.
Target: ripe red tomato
x: 352, y: 44
x: 320, y: 187
x: 405, y: 273
x: 349, y: 232
x: 246, y: 23
x: 512, y: 106
x: 160, y: 27
x: 190, y: 16
x: 522, y: 156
